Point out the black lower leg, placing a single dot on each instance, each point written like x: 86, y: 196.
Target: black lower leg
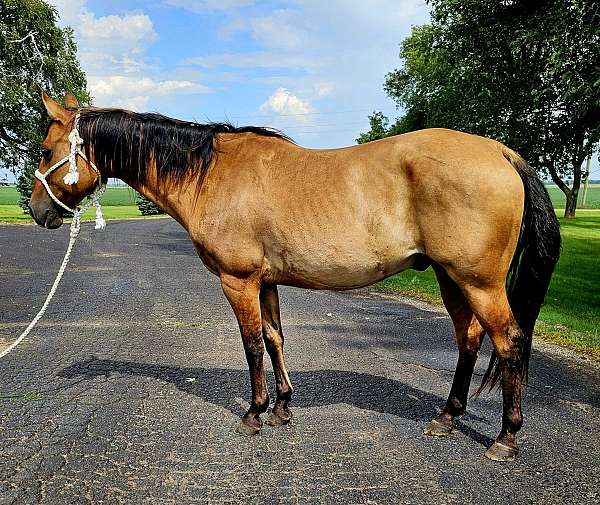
x: 505, y: 447
x: 283, y: 386
x: 459, y: 392
x: 512, y: 418
x: 273, y: 338
x: 260, y: 396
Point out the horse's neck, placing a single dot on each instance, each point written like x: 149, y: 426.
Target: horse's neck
x: 175, y: 200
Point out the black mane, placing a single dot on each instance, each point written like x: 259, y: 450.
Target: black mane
x: 126, y: 142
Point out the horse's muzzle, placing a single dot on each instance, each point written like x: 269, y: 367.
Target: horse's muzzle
x: 49, y: 217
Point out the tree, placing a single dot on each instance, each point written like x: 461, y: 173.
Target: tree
x: 380, y: 125
x: 35, y: 55
x: 146, y: 207
x: 526, y: 73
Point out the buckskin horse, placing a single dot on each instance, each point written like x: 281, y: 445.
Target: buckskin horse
x: 262, y: 211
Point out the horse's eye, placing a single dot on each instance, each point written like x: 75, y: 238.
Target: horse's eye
x: 47, y: 154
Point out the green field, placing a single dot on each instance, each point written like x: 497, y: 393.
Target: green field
x: 592, y: 201
x: 117, y: 203
x: 14, y: 213
x: 112, y: 198
x: 571, y: 314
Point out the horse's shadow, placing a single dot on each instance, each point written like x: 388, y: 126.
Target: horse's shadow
x: 312, y: 389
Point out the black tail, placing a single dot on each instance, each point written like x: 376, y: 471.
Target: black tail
x: 537, y: 252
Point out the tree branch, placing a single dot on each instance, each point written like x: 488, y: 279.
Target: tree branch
x: 15, y: 142
x: 557, y: 180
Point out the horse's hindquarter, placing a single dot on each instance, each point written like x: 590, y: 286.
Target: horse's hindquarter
x: 468, y: 202
x: 341, y: 218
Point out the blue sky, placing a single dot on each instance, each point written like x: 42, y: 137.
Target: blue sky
x: 312, y: 68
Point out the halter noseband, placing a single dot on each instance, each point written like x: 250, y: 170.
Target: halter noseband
x: 72, y: 176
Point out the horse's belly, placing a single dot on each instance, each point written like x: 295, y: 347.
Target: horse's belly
x: 336, y: 270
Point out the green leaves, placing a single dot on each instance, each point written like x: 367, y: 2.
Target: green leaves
x: 35, y: 55
x: 146, y: 207
x: 525, y: 73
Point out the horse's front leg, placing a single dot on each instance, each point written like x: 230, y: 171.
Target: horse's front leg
x: 243, y: 295
x: 273, y: 335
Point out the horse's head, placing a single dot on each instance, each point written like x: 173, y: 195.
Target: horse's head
x: 51, y: 195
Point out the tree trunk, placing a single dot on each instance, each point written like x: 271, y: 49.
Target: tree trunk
x: 571, y: 205
x: 571, y: 194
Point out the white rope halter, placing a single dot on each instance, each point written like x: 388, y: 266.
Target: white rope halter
x: 72, y: 176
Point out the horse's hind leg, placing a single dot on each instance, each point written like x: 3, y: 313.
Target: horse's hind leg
x: 468, y: 338
x: 243, y: 295
x: 490, y: 305
x: 273, y: 336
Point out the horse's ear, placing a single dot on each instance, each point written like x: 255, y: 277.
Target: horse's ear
x: 55, y: 110
x: 71, y: 101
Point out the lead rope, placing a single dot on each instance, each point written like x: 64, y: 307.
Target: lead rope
x: 74, y: 232
x: 71, y: 177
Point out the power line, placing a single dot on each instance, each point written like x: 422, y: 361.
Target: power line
x: 258, y: 114
x: 321, y: 125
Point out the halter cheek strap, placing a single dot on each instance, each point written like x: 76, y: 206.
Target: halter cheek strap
x: 72, y: 176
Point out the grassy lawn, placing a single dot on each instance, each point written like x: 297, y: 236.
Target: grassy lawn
x: 592, y: 202
x: 117, y: 203
x: 571, y: 314
x: 14, y: 213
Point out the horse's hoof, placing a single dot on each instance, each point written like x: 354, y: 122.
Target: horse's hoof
x: 501, y: 452
x: 246, y: 429
x: 275, y: 420
x: 437, y: 429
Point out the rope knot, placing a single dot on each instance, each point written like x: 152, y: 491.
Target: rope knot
x: 72, y: 176
x: 75, y: 139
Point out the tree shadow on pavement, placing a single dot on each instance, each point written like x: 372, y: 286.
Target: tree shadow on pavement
x: 312, y: 389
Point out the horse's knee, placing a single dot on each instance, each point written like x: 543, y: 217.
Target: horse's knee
x: 273, y: 337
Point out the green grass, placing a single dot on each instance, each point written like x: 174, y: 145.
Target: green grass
x: 571, y: 313
x: 113, y: 197
x: 14, y: 213
x: 117, y: 203
x: 592, y: 202
x: 8, y: 195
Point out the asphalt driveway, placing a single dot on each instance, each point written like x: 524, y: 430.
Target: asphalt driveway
x: 130, y: 388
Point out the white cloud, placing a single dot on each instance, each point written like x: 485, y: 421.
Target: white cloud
x: 208, y: 5
x: 284, y: 103
x: 134, y: 93
x: 323, y: 89
x: 262, y: 59
x: 69, y: 10
x: 281, y: 29
x: 107, y: 43
x: 130, y: 28
x: 112, y: 52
